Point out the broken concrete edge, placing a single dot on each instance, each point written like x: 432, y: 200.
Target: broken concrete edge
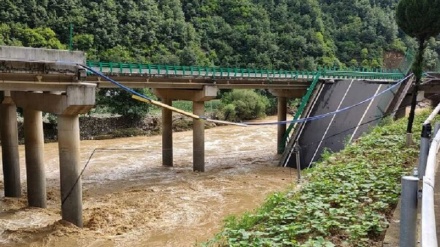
x: 41, y: 55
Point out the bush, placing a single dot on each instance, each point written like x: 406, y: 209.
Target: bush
x: 272, y: 107
x: 243, y: 105
x: 229, y: 112
x: 119, y: 102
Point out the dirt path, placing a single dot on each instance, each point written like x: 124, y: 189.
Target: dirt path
x: 131, y: 200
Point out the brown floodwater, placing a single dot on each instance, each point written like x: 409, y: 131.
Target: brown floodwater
x: 129, y: 199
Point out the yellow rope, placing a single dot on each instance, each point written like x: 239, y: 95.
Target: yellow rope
x: 188, y: 114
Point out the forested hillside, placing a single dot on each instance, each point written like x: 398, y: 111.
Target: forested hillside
x: 278, y: 34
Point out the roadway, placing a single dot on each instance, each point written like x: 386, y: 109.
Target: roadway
x: 333, y: 132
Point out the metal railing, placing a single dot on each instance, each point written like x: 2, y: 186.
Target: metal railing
x: 220, y: 72
x: 425, y: 173
x: 299, y: 112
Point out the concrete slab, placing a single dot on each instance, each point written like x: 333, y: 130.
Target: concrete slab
x: 40, y: 55
x: 332, y: 132
x: 22, y: 61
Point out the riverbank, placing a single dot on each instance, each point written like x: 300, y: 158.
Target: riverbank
x: 96, y: 127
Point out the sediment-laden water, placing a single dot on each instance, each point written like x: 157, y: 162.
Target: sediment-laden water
x: 131, y: 200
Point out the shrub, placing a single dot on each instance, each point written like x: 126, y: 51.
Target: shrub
x: 230, y: 113
x: 243, y: 105
x: 120, y: 102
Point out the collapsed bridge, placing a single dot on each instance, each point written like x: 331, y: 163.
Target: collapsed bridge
x: 64, y: 83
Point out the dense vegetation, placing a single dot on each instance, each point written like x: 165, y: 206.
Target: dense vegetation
x: 279, y: 34
x: 418, y: 19
x: 243, y: 105
x: 347, y: 200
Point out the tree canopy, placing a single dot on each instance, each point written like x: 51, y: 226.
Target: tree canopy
x: 278, y: 34
x: 418, y: 19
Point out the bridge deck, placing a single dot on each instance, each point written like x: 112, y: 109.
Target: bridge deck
x: 41, y: 75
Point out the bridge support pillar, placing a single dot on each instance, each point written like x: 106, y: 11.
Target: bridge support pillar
x: 198, y: 137
x: 9, y: 136
x: 34, y: 147
x: 167, y: 134
x: 282, y: 112
x: 198, y: 97
x: 71, y: 191
x: 77, y: 99
x: 283, y: 95
x: 53, y: 88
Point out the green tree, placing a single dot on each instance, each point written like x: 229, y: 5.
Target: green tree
x: 244, y: 104
x: 83, y: 42
x: 120, y: 102
x: 31, y: 37
x: 419, y: 19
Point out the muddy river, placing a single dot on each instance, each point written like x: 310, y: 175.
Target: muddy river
x: 131, y: 200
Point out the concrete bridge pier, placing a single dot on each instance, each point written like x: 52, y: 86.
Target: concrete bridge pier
x: 199, y: 137
x: 70, y: 179
x: 167, y: 134
x: 78, y: 99
x: 282, y: 96
x: 281, y: 131
x: 34, y: 149
x: 198, y: 97
x: 38, y: 83
x: 9, y: 137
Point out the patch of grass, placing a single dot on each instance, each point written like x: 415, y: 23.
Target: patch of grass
x: 347, y: 200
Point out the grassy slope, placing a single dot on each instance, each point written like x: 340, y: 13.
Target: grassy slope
x: 347, y: 200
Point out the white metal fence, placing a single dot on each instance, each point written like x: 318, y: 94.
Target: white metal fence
x: 410, y: 191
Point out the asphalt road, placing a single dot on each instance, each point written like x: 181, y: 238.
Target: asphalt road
x: 334, y: 131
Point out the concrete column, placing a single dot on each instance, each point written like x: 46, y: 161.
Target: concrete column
x: 167, y: 135
x: 71, y: 191
x: 34, y: 147
x: 198, y: 137
x: 9, y: 134
x: 282, y: 111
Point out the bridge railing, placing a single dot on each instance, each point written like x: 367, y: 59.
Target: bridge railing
x: 302, y: 106
x: 220, y: 72
x: 374, y: 74
x: 195, y: 71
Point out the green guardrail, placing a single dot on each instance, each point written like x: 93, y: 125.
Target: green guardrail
x: 304, y: 101
x: 173, y: 70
